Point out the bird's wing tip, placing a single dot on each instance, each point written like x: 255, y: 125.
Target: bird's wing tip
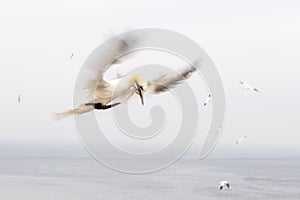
x: 60, y: 116
x: 57, y: 116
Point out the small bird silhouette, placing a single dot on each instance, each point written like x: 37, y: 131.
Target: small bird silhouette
x: 208, y: 99
x: 223, y: 184
x: 71, y: 55
x: 241, y: 139
x: 248, y: 87
x: 19, y: 98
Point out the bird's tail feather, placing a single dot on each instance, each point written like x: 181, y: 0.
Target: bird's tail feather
x: 81, y: 109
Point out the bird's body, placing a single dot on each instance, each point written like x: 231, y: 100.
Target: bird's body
x: 104, y: 94
x: 240, y: 140
x: 248, y: 87
x: 222, y: 184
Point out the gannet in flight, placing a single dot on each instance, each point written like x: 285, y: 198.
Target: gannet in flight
x: 223, y: 184
x: 107, y: 94
x: 248, y: 87
x: 19, y: 98
x: 208, y: 99
x: 71, y: 55
x: 240, y: 140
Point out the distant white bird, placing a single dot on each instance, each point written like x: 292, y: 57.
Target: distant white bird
x: 223, y: 184
x: 71, y: 55
x: 119, y: 75
x: 208, y: 99
x: 19, y: 98
x: 102, y: 94
x: 248, y: 87
x: 241, y: 139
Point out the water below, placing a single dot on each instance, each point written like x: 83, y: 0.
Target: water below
x: 84, y: 178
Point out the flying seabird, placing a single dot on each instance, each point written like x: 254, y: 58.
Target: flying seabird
x: 19, y: 98
x: 240, y: 140
x: 248, y: 87
x: 107, y: 94
x: 223, y: 184
x: 208, y: 99
x: 119, y: 75
x: 71, y: 55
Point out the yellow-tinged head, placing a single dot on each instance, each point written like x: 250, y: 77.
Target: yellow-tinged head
x: 138, y: 79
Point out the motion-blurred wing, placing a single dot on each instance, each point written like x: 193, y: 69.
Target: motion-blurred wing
x: 163, y: 84
x: 111, y: 56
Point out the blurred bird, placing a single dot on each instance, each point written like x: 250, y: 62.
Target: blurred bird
x: 248, y: 87
x: 241, y: 139
x: 19, y: 98
x: 119, y: 75
x: 71, y: 55
x: 208, y: 99
x: 223, y: 184
x: 107, y: 94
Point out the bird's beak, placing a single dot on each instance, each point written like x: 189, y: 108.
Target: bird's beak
x: 140, y: 92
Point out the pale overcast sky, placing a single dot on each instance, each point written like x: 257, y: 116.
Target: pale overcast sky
x: 255, y: 41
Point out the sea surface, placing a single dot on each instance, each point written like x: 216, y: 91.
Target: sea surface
x: 85, y: 178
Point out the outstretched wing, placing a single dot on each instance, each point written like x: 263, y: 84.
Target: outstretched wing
x: 111, y: 55
x: 164, y: 83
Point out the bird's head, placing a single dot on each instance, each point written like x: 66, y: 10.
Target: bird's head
x: 139, y: 84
